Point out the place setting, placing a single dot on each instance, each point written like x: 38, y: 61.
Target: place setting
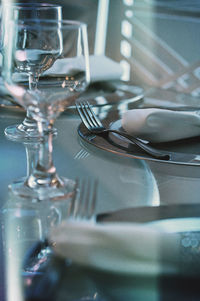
x: 104, y: 248
x: 160, y: 127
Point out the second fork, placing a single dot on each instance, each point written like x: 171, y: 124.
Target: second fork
x: 83, y: 203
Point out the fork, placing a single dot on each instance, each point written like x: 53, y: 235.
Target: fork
x: 83, y: 203
x: 94, y: 125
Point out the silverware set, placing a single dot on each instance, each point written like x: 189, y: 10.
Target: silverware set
x: 94, y: 125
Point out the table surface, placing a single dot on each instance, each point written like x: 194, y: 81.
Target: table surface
x: 123, y: 183
x: 148, y: 188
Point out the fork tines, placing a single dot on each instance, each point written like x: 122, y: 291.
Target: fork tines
x: 83, y: 203
x: 87, y: 115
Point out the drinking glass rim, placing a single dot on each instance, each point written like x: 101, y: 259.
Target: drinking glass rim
x: 32, y: 6
x: 46, y: 24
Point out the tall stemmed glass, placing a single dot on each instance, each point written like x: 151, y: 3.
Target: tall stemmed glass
x: 28, y: 130
x: 63, y: 46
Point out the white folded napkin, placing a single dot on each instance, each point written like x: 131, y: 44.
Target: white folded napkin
x: 127, y: 248
x: 101, y: 67
x: 160, y: 125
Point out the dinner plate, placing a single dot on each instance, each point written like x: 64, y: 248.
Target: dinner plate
x: 183, y: 152
x: 181, y: 218
x: 99, y: 94
x: 154, y: 215
x: 177, y: 225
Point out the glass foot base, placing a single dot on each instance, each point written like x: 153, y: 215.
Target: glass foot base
x: 23, y: 133
x: 63, y: 193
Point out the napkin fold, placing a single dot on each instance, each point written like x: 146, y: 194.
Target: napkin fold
x: 161, y: 125
x: 102, y: 68
x: 126, y: 248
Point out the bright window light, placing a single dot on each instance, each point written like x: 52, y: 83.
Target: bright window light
x: 197, y: 72
x: 128, y: 2
x: 125, y: 49
x: 129, y: 13
x: 126, y: 70
x: 101, y: 28
x: 196, y: 92
x: 126, y: 29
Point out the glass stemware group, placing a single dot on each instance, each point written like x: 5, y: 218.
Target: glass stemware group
x: 45, y: 67
x: 22, y: 12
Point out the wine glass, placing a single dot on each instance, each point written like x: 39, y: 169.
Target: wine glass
x: 27, y: 130
x: 58, y: 54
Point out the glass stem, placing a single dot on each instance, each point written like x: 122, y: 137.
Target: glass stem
x: 29, y: 124
x: 28, y: 114
x: 31, y: 157
x: 33, y: 80
x: 44, y: 174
